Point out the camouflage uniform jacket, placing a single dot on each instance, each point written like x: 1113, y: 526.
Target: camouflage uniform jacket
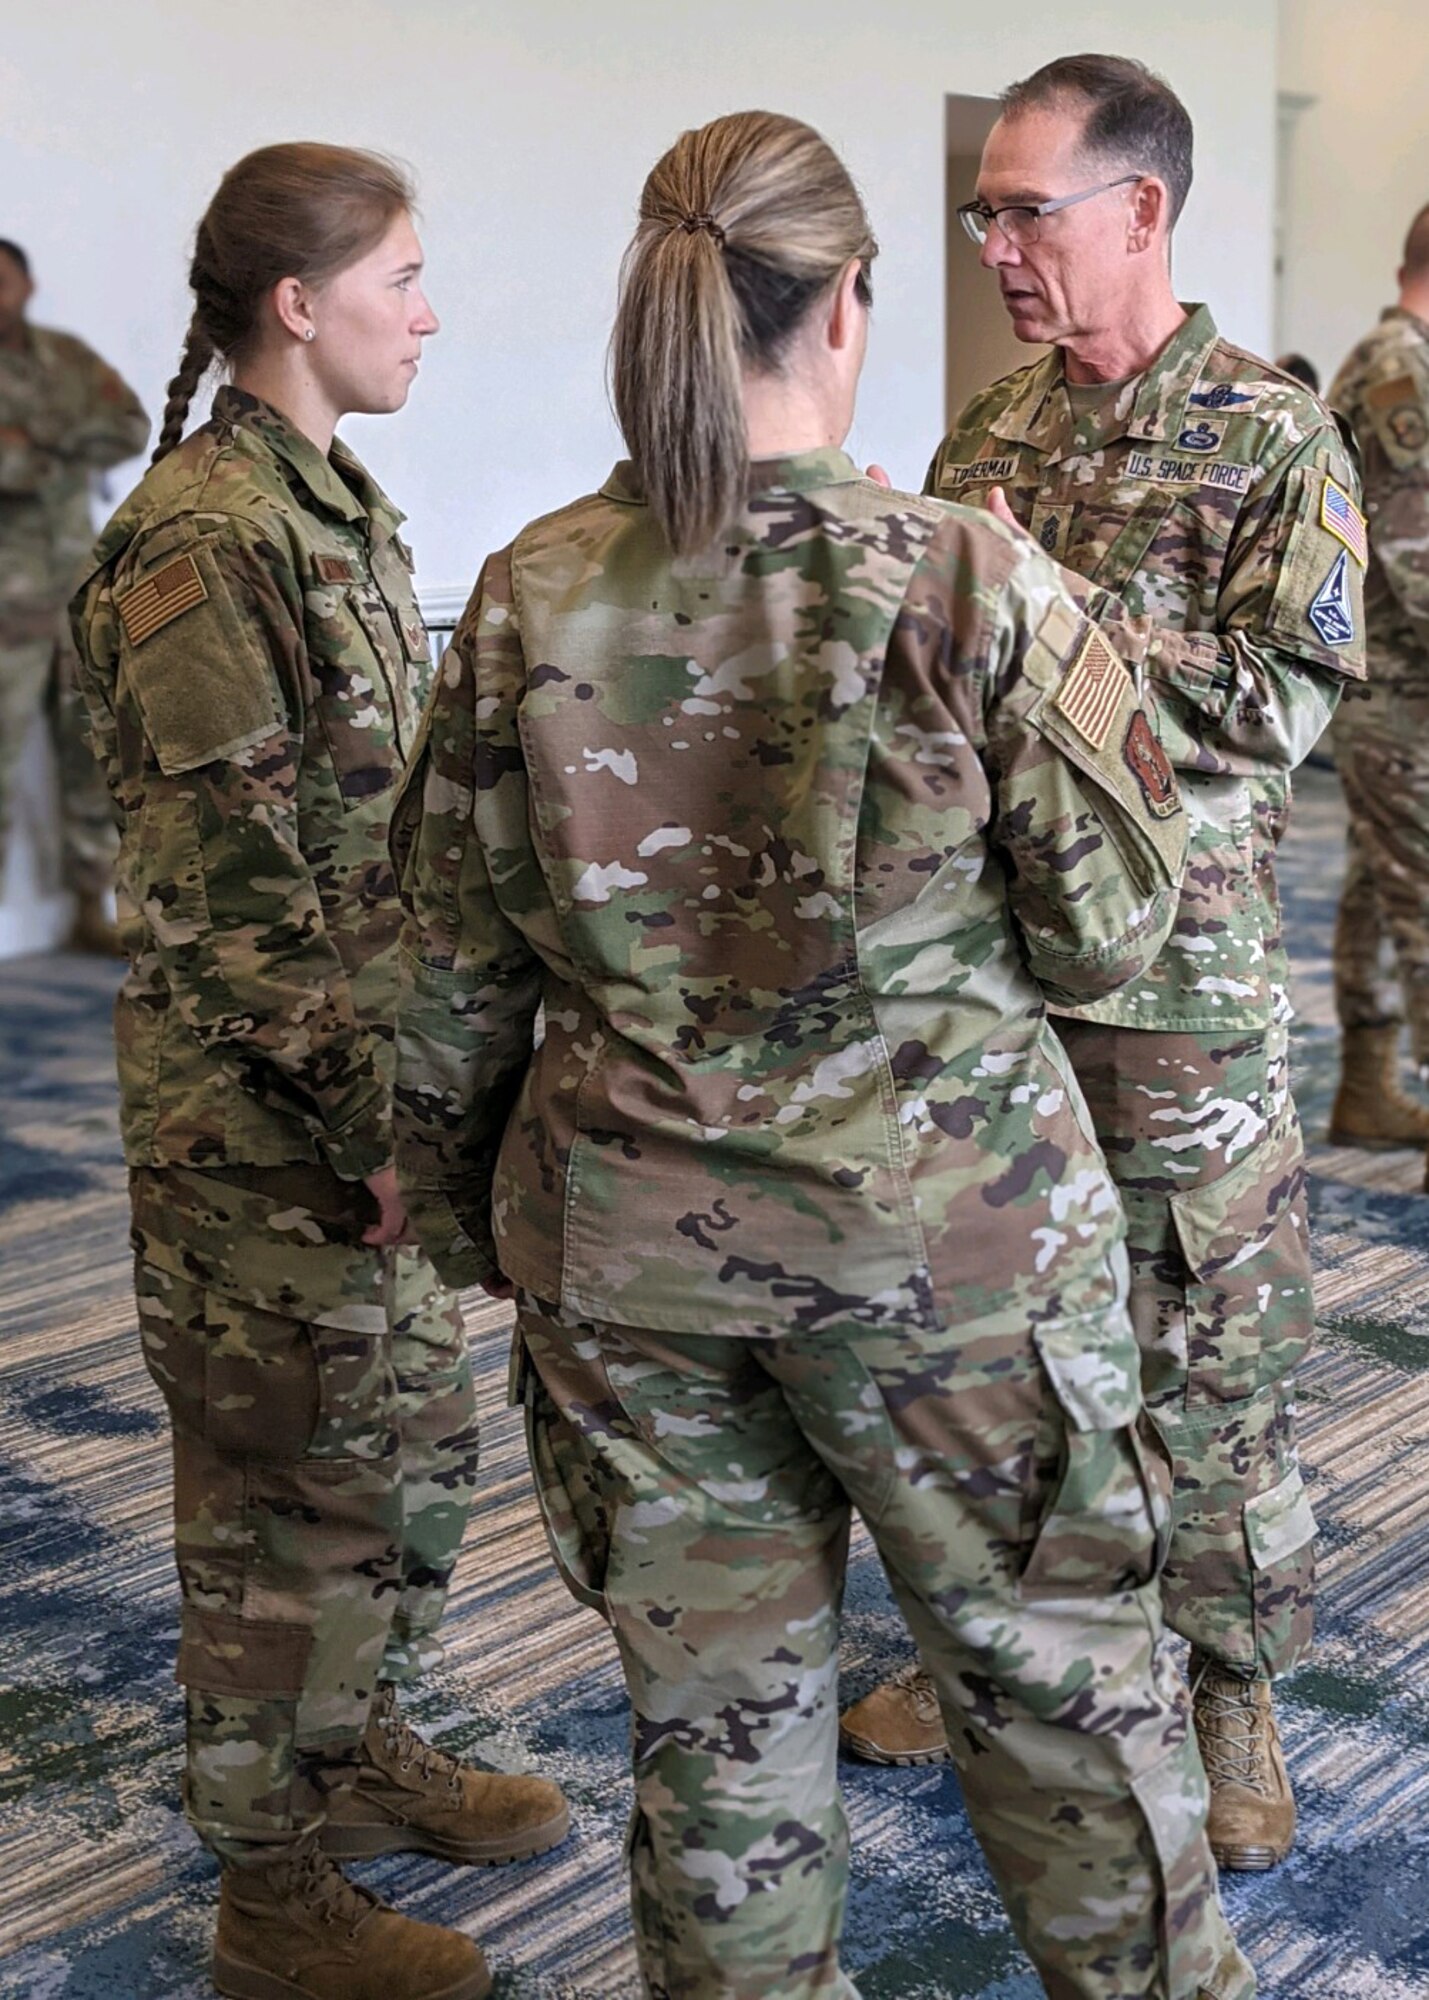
x: 1207, y: 515
x: 64, y: 414
x: 1383, y: 391
x: 254, y: 667
x: 782, y: 840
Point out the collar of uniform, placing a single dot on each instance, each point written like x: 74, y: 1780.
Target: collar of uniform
x: 1421, y: 327
x: 796, y: 472
x: 1152, y: 405
x: 354, y: 497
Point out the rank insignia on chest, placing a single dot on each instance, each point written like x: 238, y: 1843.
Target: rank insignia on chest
x: 159, y: 598
x: 1148, y: 764
x: 1341, y: 518
x: 1091, y: 690
x: 1201, y: 437
x: 1332, y: 608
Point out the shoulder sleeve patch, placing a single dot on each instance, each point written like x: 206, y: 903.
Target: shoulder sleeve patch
x: 1091, y: 691
x: 1340, y: 517
x: 1317, y: 610
x: 1396, y: 410
x: 157, y: 599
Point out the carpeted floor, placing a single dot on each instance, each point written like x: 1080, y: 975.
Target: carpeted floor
x: 104, y: 1893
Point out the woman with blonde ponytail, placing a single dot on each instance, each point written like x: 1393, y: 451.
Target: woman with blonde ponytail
x: 255, y: 667
x: 785, y: 800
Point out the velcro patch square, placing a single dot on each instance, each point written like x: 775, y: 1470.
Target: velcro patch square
x: 156, y: 600
x: 1091, y: 690
x: 333, y: 569
x: 1341, y: 518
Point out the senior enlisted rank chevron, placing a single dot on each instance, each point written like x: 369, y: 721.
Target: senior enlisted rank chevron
x: 1206, y: 513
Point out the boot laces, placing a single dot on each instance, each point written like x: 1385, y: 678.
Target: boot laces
x: 409, y: 1751
x: 919, y: 1683
x: 320, y: 1885
x: 1231, y: 1735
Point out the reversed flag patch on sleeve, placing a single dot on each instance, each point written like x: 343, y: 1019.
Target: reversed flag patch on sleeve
x: 1091, y: 690
x: 1341, y: 518
x: 158, y: 599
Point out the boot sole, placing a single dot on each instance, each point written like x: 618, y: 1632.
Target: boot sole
x: 365, y: 1843
x: 869, y: 1752
x: 1249, y: 1860
x: 238, y: 1980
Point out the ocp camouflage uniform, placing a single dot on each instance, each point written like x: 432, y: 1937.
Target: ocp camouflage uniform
x: 254, y: 666
x: 799, y: 1193
x: 1382, y: 732
x: 64, y: 415
x: 1206, y: 513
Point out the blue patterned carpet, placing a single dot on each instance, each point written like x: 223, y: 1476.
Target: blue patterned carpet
x: 104, y: 1893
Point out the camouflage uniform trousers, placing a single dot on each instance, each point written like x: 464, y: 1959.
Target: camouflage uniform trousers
x: 325, y: 1450
x: 1382, y: 755
x: 698, y: 1491
x: 38, y: 674
x: 1201, y: 1136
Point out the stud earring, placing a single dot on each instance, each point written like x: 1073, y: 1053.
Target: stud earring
x: 310, y: 333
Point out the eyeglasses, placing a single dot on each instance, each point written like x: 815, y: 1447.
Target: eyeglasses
x: 1021, y: 222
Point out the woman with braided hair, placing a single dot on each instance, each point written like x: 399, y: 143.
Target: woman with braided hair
x: 254, y: 665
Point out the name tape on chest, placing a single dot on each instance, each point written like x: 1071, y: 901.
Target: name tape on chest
x: 333, y: 569
x: 157, y: 600
x: 1340, y: 517
x: 1091, y: 690
x: 1174, y: 471
x: 994, y: 470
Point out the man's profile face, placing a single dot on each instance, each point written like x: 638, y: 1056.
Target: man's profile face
x: 16, y: 291
x: 1068, y: 282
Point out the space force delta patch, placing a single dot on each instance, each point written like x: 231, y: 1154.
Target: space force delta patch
x: 1332, y: 611
x: 1170, y: 471
x: 159, y: 598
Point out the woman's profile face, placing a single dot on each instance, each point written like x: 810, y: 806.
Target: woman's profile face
x: 370, y: 321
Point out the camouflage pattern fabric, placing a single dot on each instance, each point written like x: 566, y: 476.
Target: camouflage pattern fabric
x: 1207, y: 512
x: 325, y: 1452
x: 774, y: 839
x: 1380, y: 736
x: 781, y: 841
x: 698, y: 1490
x: 1209, y: 1163
x: 254, y: 667
x: 64, y: 415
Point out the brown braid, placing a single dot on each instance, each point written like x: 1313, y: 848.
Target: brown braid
x: 198, y: 357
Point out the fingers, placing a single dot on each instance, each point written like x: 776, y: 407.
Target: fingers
x: 879, y: 477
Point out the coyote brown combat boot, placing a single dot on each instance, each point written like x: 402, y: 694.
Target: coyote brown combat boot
x: 299, y: 1930
x: 410, y: 1795
x: 1371, y: 1108
x: 1252, y: 1818
x: 899, y: 1723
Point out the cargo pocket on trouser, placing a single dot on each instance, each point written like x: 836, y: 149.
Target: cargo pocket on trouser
x: 1199, y: 1957
x: 1104, y: 1526
x: 1245, y: 1240
x: 246, y: 1789
x: 1280, y: 1539
x: 566, y: 1475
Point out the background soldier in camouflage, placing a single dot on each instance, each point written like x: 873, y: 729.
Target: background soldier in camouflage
x: 1205, y: 512
x: 255, y: 666
x: 64, y: 415
x: 1382, y: 731
x: 767, y: 786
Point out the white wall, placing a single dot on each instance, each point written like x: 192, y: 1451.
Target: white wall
x: 1359, y: 164
x: 531, y: 128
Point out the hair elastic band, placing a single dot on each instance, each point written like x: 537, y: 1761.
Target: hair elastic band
x: 692, y: 224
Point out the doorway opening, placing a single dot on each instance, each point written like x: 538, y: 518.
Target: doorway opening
x: 978, y: 342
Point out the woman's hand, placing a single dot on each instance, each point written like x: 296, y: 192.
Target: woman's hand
x: 391, y: 1230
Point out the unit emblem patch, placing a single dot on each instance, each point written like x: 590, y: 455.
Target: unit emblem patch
x: 1331, y: 608
x: 1148, y: 764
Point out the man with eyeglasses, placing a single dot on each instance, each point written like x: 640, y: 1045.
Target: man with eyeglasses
x: 1205, y: 511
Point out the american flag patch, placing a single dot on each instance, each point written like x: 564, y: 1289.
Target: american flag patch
x: 150, y: 605
x: 1339, y: 514
x: 1091, y: 690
